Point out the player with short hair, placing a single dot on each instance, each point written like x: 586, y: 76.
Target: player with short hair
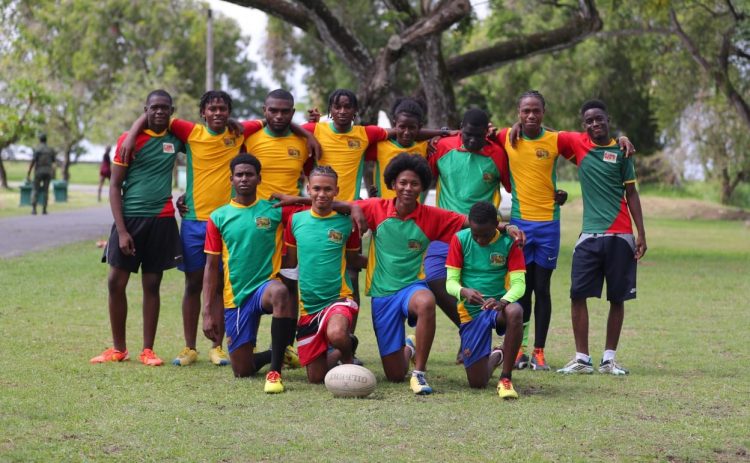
x: 145, y: 232
x: 407, y: 117
x: 469, y: 168
x: 322, y: 241
x: 245, y: 235
x: 606, y: 249
x: 486, y: 274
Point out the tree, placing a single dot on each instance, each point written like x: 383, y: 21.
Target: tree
x: 402, y: 30
x: 92, y: 57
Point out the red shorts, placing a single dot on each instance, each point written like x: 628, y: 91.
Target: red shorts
x: 311, y: 329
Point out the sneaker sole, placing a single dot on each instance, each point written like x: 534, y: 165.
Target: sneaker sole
x: 576, y: 372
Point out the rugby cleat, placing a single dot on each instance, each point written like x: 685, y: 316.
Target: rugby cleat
x: 577, y: 366
x: 111, y: 355
x: 522, y: 360
x: 610, y: 367
x: 187, y: 356
x: 419, y: 385
x: 505, y: 389
x: 273, y: 383
x: 291, y: 359
x: 218, y: 357
x: 149, y: 358
x: 537, y: 360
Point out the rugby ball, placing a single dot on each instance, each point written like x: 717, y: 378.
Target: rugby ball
x: 350, y: 381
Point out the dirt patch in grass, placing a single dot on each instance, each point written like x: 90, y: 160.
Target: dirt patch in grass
x: 675, y: 208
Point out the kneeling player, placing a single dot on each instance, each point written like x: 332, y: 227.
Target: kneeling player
x: 319, y: 239
x: 478, y: 261
x: 246, y: 235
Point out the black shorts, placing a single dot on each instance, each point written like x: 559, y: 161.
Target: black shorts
x: 157, y: 245
x: 597, y: 257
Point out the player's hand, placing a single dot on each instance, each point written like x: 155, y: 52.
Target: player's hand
x: 561, y: 196
x: 359, y: 218
x: 182, y: 207
x: 284, y: 200
x: 492, y: 132
x: 372, y: 191
x: 640, y: 247
x: 127, y: 246
x: 211, y: 327
x: 127, y: 149
x: 517, y: 234
x: 472, y: 296
x: 313, y: 147
x: 432, y: 146
x: 626, y: 146
x: 235, y: 128
x: 493, y: 304
x: 313, y: 115
x: 515, y: 134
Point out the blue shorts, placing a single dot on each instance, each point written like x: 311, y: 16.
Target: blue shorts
x: 434, y: 261
x: 542, y: 241
x: 476, y: 337
x: 193, y: 235
x: 241, y: 323
x: 388, y: 314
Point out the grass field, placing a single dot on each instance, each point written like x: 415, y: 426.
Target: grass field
x: 685, y: 400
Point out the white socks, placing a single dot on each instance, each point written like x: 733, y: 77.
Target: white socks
x: 608, y: 355
x: 580, y: 356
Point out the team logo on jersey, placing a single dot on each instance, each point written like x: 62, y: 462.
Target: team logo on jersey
x: 335, y: 236
x: 414, y: 245
x: 488, y: 177
x: 609, y: 156
x: 168, y: 148
x: 497, y: 259
x: 293, y: 152
x: 262, y: 223
x: 228, y: 141
x: 542, y: 153
x: 354, y: 144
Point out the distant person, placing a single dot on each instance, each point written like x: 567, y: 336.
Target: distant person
x: 42, y: 162
x: 145, y: 231
x: 105, y: 172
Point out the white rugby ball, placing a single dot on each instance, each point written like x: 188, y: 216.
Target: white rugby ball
x: 350, y: 381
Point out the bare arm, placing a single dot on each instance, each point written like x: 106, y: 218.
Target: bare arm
x: 127, y: 149
x: 291, y: 256
x: 355, y: 260
x: 313, y: 147
x: 634, y: 206
x: 211, y: 314
x: 127, y: 246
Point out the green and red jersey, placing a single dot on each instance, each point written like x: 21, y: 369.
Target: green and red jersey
x: 484, y: 268
x: 248, y: 239
x: 398, y: 246
x: 345, y: 153
x: 321, y: 242
x: 208, y: 158
x: 147, y: 188
x: 603, y: 172
x: 465, y: 178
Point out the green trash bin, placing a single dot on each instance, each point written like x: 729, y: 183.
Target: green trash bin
x: 26, y: 189
x: 61, y: 191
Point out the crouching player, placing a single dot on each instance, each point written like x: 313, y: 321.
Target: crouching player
x: 480, y: 261
x: 322, y: 242
x: 246, y: 236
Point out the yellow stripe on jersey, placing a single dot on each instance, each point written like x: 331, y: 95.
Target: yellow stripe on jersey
x: 345, y: 153
x: 228, y: 293
x: 386, y: 151
x: 282, y: 159
x: 533, y: 176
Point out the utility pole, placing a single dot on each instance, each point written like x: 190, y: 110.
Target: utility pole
x: 209, y: 51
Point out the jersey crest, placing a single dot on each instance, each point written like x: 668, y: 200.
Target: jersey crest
x: 262, y: 223
x: 414, y: 245
x: 610, y: 157
x: 497, y: 259
x: 335, y: 236
x: 542, y: 153
x: 168, y: 148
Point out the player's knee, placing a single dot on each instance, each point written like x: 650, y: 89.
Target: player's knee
x: 423, y: 304
x: 395, y: 377
x: 116, y: 284
x: 338, y: 335
x: 243, y: 371
x: 475, y: 383
x: 514, y: 314
x: 193, y: 283
x: 315, y: 376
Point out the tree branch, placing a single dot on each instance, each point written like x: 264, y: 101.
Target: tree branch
x: 283, y: 9
x: 634, y: 32
x: 583, y: 24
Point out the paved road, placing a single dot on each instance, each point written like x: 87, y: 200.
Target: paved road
x: 19, y: 235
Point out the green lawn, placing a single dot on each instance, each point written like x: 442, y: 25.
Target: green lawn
x: 84, y: 173
x: 685, y: 400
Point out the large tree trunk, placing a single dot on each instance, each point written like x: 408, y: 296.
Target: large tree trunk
x: 437, y: 86
x: 3, y: 175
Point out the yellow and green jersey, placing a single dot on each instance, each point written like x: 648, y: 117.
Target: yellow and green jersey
x: 282, y: 159
x: 603, y: 172
x: 321, y: 242
x: 248, y: 239
x: 147, y: 187
x: 345, y: 153
x: 465, y: 178
x: 383, y: 153
x: 208, y: 158
x: 484, y: 268
x: 533, y: 176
